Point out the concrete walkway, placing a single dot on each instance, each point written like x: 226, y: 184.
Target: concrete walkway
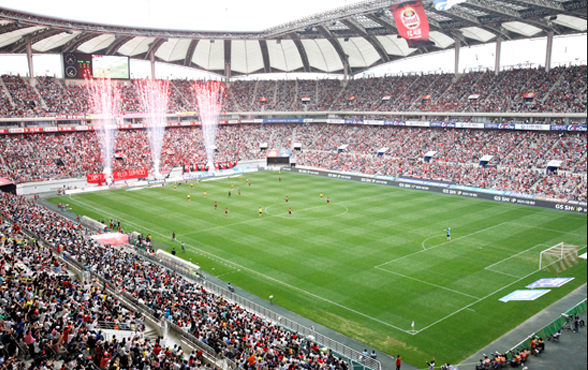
x: 569, y: 354
x: 388, y: 362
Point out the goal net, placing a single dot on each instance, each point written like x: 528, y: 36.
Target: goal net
x: 559, y: 258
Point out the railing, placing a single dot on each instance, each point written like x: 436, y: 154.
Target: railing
x: 110, y: 325
x: 552, y: 328
x: 128, y: 300
x: 336, y: 347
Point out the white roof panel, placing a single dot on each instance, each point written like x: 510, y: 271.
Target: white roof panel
x: 136, y: 46
x: 441, y: 40
x: 284, y: 56
x: 209, y: 55
x: 322, y: 55
x: 571, y: 22
x: 246, y: 56
x: 54, y: 41
x: 521, y: 28
x: 361, y: 53
x: 477, y: 34
x: 395, y: 46
x: 11, y: 37
x: 173, y: 50
x: 97, y: 44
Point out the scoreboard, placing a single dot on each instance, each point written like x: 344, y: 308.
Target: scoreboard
x: 77, y: 65
x: 81, y: 66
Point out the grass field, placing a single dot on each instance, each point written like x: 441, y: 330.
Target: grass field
x: 369, y: 264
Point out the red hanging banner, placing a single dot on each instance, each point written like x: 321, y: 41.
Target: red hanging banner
x: 118, y: 176
x: 412, y: 23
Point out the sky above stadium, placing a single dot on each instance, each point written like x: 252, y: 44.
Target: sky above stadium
x: 202, y: 15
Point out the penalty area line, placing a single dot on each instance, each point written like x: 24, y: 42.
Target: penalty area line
x: 431, y: 284
x: 468, y: 307
x: 442, y: 244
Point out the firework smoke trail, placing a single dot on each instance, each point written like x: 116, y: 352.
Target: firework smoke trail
x: 154, y: 98
x: 105, y: 105
x: 210, y: 102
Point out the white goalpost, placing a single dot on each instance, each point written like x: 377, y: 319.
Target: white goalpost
x: 559, y: 258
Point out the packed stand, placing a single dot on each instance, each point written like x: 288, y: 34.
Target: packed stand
x: 569, y: 95
x: 47, y: 315
x: 56, y: 97
x: 563, y: 89
x: 26, y: 100
x: 519, y: 160
x: 230, y: 330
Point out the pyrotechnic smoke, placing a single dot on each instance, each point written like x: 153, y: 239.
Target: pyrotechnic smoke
x: 154, y: 98
x: 105, y: 106
x: 210, y: 102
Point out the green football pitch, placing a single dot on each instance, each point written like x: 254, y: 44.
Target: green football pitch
x: 369, y: 264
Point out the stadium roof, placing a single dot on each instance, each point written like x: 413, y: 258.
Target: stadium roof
x: 364, y: 34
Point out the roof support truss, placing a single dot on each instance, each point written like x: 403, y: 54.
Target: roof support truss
x: 372, y: 40
x: 117, y: 44
x: 329, y: 36
x: 302, y: 51
x: 267, y: 68
x: 190, y: 53
x: 77, y: 41
x: 21, y: 45
x: 153, y: 48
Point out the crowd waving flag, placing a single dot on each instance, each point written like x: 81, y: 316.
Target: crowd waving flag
x: 442, y: 5
x: 412, y: 23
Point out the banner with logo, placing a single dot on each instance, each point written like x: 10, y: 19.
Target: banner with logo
x: 118, y: 176
x: 412, y: 23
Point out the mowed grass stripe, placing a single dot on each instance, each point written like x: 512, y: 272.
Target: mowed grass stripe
x: 321, y: 264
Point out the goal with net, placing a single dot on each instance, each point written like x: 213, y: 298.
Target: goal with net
x: 559, y: 258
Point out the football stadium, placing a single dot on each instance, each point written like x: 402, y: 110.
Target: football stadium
x: 260, y: 185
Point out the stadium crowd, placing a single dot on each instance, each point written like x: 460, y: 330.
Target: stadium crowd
x: 46, y: 314
x: 519, y: 161
x: 563, y: 89
x: 233, y: 332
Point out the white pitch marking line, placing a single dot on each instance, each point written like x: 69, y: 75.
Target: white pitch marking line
x: 272, y: 279
x: 442, y: 244
x: 302, y: 291
x: 228, y: 273
x: 117, y: 217
x: 337, y: 304
x: 516, y: 255
x: 480, y: 300
x: 426, y: 282
x: 503, y: 273
x: 426, y: 240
